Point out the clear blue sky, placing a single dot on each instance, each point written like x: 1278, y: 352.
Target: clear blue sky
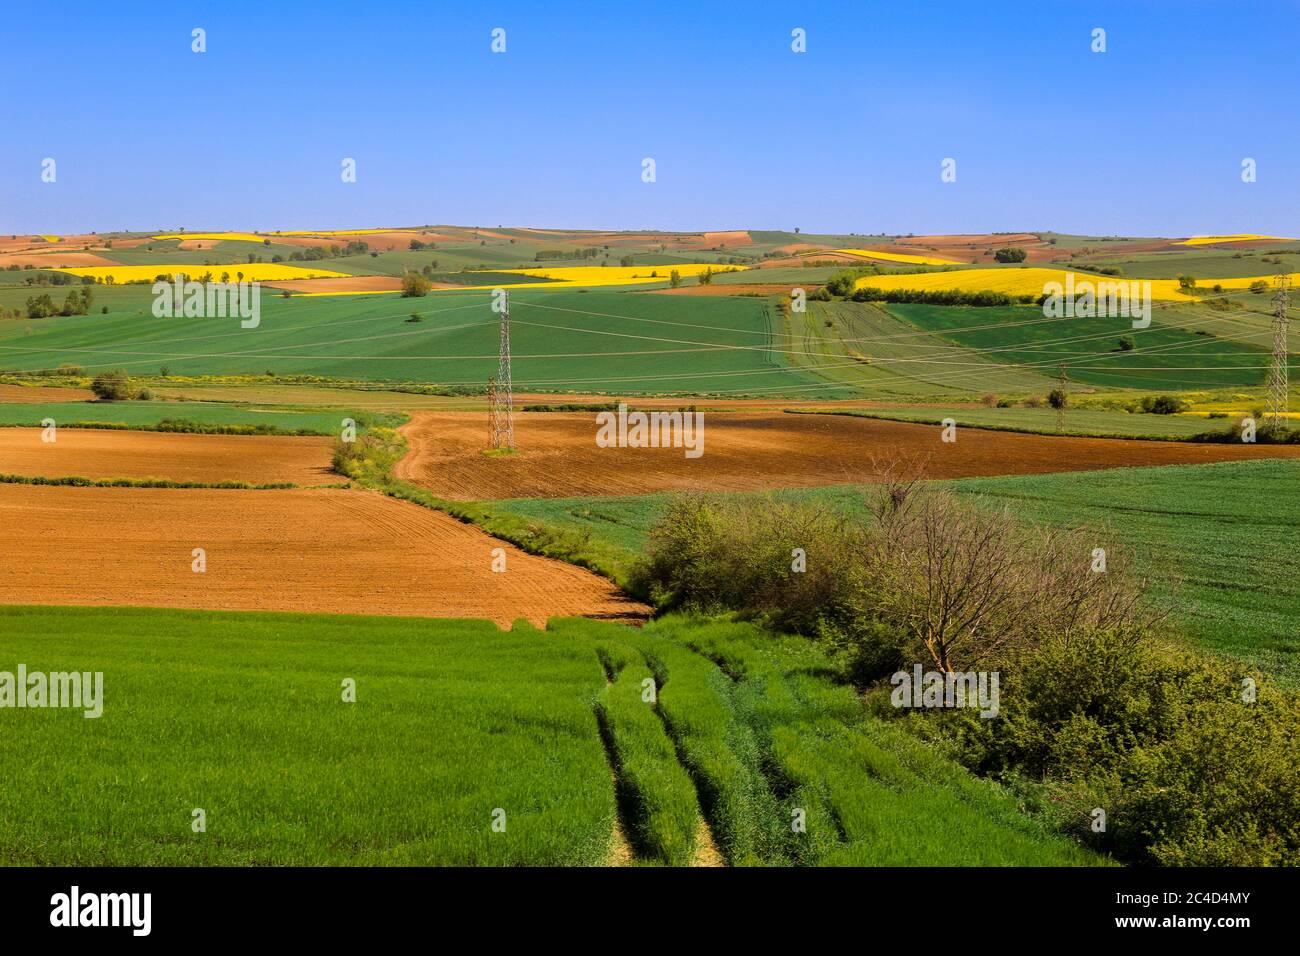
x: 1145, y: 139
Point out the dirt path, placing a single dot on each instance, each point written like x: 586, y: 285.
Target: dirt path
x: 706, y: 851
x: 327, y: 550
x: 110, y: 453
x: 751, y: 451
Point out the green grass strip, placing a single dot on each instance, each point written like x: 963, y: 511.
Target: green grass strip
x: 661, y: 813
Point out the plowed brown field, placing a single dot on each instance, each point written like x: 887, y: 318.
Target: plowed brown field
x: 43, y: 393
x: 103, y: 453
x: 558, y: 457
x: 348, y: 284
x: 327, y: 550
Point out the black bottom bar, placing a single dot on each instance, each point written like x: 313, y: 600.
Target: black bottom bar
x: 333, y: 905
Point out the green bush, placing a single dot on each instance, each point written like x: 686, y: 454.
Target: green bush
x: 1187, y: 771
x: 414, y: 284
x: 1098, y: 709
x: 983, y: 299
x: 1162, y: 404
x: 371, y: 457
x: 112, y: 386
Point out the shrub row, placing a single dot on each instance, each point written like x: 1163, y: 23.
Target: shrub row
x: 1100, y: 709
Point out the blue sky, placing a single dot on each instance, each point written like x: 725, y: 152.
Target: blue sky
x: 1144, y: 139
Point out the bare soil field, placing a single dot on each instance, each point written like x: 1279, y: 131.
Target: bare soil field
x: 8, y: 244
x: 558, y: 457
x: 801, y: 260
x: 23, y: 394
x: 329, y: 550
x: 348, y: 284
x: 54, y: 259
x: 110, y: 453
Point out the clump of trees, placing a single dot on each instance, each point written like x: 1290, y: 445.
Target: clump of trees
x: 587, y: 252
x: 77, y: 302
x: 315, y: 253
x: 984, y: 298
x: 1010, y: 254
x: 116, y: 386
x: 414, y: 284
x: 1161, y: 405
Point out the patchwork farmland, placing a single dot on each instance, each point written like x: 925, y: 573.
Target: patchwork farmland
x: 203, y: 512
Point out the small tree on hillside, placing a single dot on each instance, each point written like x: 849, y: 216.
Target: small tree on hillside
x: 1010, y: 254
x: 414, y: 284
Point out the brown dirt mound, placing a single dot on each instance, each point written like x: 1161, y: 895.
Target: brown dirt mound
x: 330, y: 551
x: 101, y: 453
x: 751, y: 451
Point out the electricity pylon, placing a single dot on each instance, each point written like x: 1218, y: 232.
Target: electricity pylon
x: 501, y: 391
x: 1060, y: 409
x: 1277, y: 373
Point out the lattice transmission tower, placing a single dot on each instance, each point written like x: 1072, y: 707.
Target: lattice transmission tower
x: 500, y: 390
x: 1060, y: 409
x: 1278, y: 382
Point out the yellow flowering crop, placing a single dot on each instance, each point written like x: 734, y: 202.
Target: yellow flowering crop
x: 568, y: 277
x: 1032, y: 280
x: 897, y: 257
x: 1210, y: 240
x: 219, y: 236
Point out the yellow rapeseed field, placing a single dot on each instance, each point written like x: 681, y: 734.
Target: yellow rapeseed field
x: 568, y: 277
x: 898, y: 257
x: 1031, y: 281
x: 1242, y: 237
x: 219, y: 236
x: 253, y: 272
x: 341, y: 232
